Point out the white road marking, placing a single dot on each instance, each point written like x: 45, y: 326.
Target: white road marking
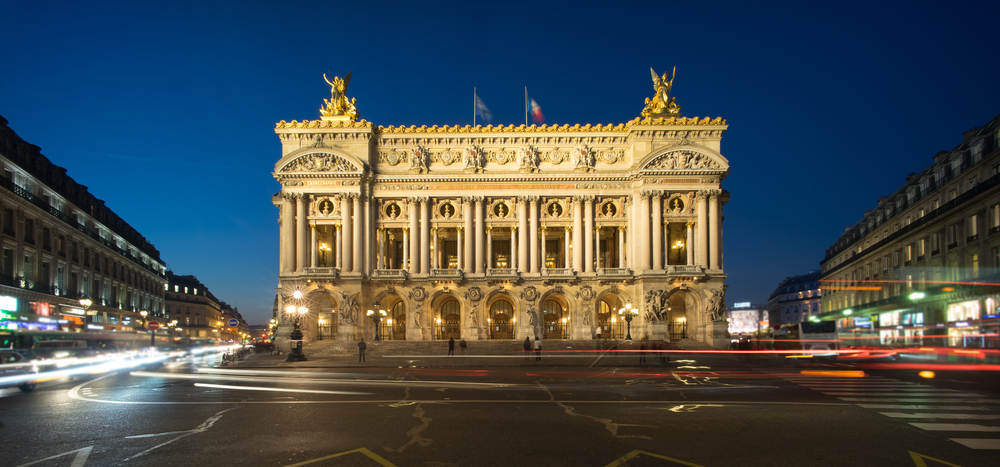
x: 916, y: 399
x: 908, y: 394
x: 78, y: 460
x: 199, y: 429
x: 954, y: 427
x: 923, y: 407
x: 976, y: 443
x: 953, y: 416
x: 304, y: 391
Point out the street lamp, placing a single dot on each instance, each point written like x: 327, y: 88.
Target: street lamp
x: 296, y: 355
x: 628, y: 313
x: 323, y: 248
x: 376, y: 318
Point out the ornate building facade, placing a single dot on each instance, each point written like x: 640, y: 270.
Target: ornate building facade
x: 502, y: 232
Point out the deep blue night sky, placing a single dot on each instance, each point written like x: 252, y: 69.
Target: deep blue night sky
x: 166, y: 110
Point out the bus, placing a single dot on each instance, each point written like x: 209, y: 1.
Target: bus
x: 812, y: 336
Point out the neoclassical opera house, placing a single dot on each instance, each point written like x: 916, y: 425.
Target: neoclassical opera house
x: 503, y: 232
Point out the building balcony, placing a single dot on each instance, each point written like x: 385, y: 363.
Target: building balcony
x: 450, y: 273
x: 501, y: 272
x: 972, y: 238
x: 920, y: 258
x: 332, y: 272
x: 558, y: 272
x: 616, y: 272
x: 994, y: 229
x: 935, y: 252
x: 389, y: 274
x: 685, y: 269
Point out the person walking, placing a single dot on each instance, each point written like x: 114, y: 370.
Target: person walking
x: 361, y: 350
x: 451, y: 346
x: 527, y: 347
x: 462, y: 345
x: 538, y: 349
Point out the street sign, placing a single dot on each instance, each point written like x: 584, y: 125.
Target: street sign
x: 233, y: 322
x: 153, y: 325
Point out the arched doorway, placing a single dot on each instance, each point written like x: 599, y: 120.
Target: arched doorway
x: 555, y: 319
x: 610, y: 327
x: 393, y: 325
x: 677, y: 316
x: 501, y: 320
x: 326, y: 318
x: 447, y: 323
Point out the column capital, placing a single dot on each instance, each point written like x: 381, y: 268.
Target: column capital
x: 434, y: 230
x: 460, y: 228
x: 589, y: 199
x: 533, y: 199
x: 568, y: 229
x: 339, y: 226
x: 406, y: 230
x: 513, y: 228
x: 468, y: 199
x: 478, y: 199
x: 421, y: 199
x: 621, y: 228
x: 489, y: 229
x: 542, y: 229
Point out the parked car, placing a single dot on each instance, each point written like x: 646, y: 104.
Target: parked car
x: 14, y: 363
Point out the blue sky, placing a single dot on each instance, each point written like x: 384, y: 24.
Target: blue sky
x: 166, y: 110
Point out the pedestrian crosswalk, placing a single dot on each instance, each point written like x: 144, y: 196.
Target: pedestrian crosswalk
x: 947, y: 411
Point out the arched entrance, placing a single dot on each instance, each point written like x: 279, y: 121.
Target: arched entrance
x: 448, y: 320
x: 555, y: 319
x: 393, y: 325
x: 677, y: 315
x: 326, y: 318
x: 610, y: 327
x: 501, y: 320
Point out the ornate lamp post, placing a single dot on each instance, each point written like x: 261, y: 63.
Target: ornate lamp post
x: 296, y: 355
x: 628, y: 313
x: 323, y: 249
x: 376, y: 318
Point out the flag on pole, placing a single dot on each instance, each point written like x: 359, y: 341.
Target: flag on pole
x: 483, y: 111
x: 531, y: 106
x: 536, y: 112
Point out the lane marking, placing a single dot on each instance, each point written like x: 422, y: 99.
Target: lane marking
x: 321, y: 381
x: 199, y: 429
x: 954, y: 427
x: 918, y: 399
x: 366, y: 452
x: 908, y: 394
x: 623, y: 461
x: 924, y: 407
x: 953, y: 416
x: 78, y: 460
x: 978, y: 443
x: 918, y: 460
x: 303, y: 391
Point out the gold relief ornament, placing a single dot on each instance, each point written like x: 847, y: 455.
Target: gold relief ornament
x: 662, y: 105
x: 338, y: 105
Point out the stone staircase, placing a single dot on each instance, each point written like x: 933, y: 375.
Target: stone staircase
x: 332, y: 348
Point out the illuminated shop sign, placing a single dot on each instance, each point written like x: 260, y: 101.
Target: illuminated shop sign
x: 73, y: 311
x: 860, y: 322
x: 8, y: 303
x: 741, y: 305
x: 95, y: 327
x: 41, y: 308
x: 14, y: 325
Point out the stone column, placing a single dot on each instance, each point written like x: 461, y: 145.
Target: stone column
x: 357, y: 238
x: 689, y: 243
x: 461, y: 249
x: 348, y: 240
x: 480, y: 236
x: 489, y: 248
x: 367, y: 266
x: 435, y: 248
x: 566, y: 250
x: 597, y: 246
x: 301, y: 233
x: 522, y: 238
x: 577, y: 233
x: 657, y: 207
x: 425, y: 236
x: 315, y: 251
x: 381, y: 249
x: 621, y: 246
x: 701, y: 246
x: 643, y: 263
x: 287, y: 235
x: 544, y: 256
x: 588, y: 241
x: 406, y: 250
x: 512, y: 263
x: 713, y: 230
x: 533, y: 231
x: 339, y: 250
x: 468, y: 219
x: 414, y: 243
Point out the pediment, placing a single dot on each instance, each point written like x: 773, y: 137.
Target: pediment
x: 319, y: 161
x: 684, y: 159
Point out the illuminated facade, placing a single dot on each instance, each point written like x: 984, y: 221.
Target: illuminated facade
x: 61, y: 244
x: 502, y: 232
x: 197, y: 312
x: 795, y: 299
x: 918, y: 269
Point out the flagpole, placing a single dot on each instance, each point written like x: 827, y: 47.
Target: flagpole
x: 473, y: 106
x: 525, y: 106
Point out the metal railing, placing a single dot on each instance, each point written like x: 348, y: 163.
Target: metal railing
x: 398, y: 274
x: 456, y: 273
x: 558, y: 272
x: 501, y: 272
x: 501, y: 330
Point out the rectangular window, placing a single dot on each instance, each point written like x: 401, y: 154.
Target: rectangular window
x: 29, y: 268
x: 8, y: 263
x: 29, y: 231
x: 909, y: 252
x: 8, y: 222
x: 86, y: 285
x: 995, y: 215
x: 61, y: 278
x: 46, y: 239
x: 922, y: 247
x: 920, y: 213
x: 973, y: 265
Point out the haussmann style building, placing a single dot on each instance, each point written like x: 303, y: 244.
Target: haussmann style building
x: 502, y: 232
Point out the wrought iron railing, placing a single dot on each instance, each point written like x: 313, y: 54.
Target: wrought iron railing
x: 501, y: 330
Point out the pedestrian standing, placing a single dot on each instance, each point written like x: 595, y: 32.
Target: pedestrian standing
x: 527, y: 347
x: 462, y: 345
x: 538, y: 349
x: 642, y: 351
x: 451, y: 346
x: 361, y: 350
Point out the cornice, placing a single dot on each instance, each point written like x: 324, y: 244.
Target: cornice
x: 479, y: 129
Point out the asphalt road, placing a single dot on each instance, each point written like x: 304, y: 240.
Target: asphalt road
x: 433, y: 411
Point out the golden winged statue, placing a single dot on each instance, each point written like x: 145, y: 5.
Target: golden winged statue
x: 338, y: 105
x: 662, y: 105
